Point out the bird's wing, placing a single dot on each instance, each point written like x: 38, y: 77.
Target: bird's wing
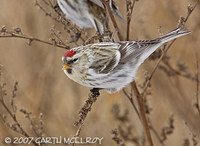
x: 98, y: 17
x: 113, y: 8
x: 97, y: 2
x: 143, y: 49
x: 105, y: 57
x: 135, y: 49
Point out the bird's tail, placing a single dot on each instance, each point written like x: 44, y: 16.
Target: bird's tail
x: 145, y: 52
x: 173, y: 34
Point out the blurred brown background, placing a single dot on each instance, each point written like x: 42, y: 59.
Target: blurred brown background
x: 44, y: 88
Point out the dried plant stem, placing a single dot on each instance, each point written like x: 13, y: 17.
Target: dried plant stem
x: 85, y: 110
x: 134, y: 86
x: 63, y: 20
x: 106, y: 4
x: 197, y: 86
x: 130, y: 98
x: 190, y: 10
x: 155, y: 68
x: 156, y: 135
x: 60, y: 40
x: 10, y: 34
x: 142, y: 112
x: 194, y: 136
x: 129, y: 16
x: 179, y: 73
x: 140, y: 96
x: 13, y: 116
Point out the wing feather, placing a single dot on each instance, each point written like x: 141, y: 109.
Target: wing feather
x: 97, y: 2
x: 135, y: 49
x: 106, y: 57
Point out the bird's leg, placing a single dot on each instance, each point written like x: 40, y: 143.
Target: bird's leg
x: 95, y: 91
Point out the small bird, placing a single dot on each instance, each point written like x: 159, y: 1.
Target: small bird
x: 111, y: 65
x: 88, y: 13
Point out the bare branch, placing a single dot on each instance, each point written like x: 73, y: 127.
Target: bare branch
x: 62, y: 20
x: 17, y: 127
x: 181, y: 23
x: 4, y: 33
x: 130, y: 98
x: 129, y: 10
x: 85, y: 110
x: 142, y: 112
x: 197, y: 85
x: 106, y: 4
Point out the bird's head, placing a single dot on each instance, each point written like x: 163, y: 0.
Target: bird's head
x: 69, y: 59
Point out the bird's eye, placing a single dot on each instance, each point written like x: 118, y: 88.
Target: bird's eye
x: 72, y: 61
x: 75, y: 59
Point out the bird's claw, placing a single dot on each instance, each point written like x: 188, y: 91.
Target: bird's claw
x: 95, y: 91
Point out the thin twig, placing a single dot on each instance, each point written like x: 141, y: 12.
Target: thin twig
x: 140, y: 99
x: 85, y: 110
x: 197, y: 85
x: 129, y: 9
x: 132, y: 102
x: 57, y: 35
x: 62, y: 20
x: 184, y: 20
x: 12, y: 114
x: 156, y: 134
x: 107, y: 5
x: 191, y: 9
x: 142, y: 112
x: 153, y: 71
x: 50, y: 3
x: 135, y: 89
x: 194, y: 136
x: 10, y: 34
x: 186, y: 76
x: 22, y: 131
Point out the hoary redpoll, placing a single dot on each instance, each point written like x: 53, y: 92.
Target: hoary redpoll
x: 111, y: 65
x: 88, y: 13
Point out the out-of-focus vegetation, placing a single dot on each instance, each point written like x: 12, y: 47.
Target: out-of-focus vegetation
x: 42, y: 87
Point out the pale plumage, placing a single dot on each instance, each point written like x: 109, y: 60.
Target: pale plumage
x: 111, y: 65
x: 88, y: 13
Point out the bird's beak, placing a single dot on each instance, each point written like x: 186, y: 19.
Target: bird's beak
x: 66, y: 66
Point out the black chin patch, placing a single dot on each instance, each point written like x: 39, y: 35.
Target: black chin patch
x: 69, y: 71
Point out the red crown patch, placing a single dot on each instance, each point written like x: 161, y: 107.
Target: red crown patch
x: 69, y: 53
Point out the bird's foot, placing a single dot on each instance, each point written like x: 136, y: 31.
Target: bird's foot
x: 95, y: 91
